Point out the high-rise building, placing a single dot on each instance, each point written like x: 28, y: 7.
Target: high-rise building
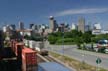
x: 73, y: 27
x: 35, y: 27
x: 21, y: 25
x: 87, y: 28
x: 31, y: 25
x: 53, y: 24
x: 81, y: 24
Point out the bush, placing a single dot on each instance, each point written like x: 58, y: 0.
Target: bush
x: 35, y: 38
x: 79, y: 45
x: 52, y: 39
x: 101, y: 50
x: 65, y: 40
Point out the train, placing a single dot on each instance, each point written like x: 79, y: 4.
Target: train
x: 26, y: 56
x: 36, y: 45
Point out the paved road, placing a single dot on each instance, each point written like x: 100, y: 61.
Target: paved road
x: 72, y: 51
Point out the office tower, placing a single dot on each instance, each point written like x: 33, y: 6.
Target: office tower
x: 31, y: 25
x: 87, y: 28
x: 73, y: 27
x: 81, y: 24
x: 34, y: 27
x: 21, y: 25
x: 62, y: 27
x: 39, y: 26
x: 53, y: 24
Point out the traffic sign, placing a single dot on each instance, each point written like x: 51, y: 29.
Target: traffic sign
x: 98, y: 60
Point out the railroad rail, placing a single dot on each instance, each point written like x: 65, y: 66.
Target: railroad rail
x: 50, y: 59
x: 45, y: 58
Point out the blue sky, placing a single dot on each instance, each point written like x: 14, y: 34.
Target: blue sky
x: 38, y: 11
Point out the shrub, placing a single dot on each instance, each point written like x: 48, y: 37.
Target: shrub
x: 65, y: 40
x: 101, y: 50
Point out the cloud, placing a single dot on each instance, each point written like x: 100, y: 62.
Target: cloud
x: 81, y: 11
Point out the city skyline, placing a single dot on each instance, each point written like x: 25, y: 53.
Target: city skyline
x: 38, y: 11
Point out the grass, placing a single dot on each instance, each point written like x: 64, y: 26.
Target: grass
x: 65, y: 43
x: 79, y: 66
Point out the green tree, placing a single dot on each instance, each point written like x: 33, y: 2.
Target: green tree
x: 52, y: 39
x: 86, y: 37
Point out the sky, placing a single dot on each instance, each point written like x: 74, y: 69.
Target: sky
x: 64, y: 11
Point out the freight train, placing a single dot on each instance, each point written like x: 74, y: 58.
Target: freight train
x: 25, y: 55
x: 36, y: 45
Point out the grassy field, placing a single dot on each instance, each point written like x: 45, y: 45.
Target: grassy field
x: 79, y: 66
x: 66, y: 43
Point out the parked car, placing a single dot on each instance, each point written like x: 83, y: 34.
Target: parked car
x: 102, y: 46
x: 102, y: 43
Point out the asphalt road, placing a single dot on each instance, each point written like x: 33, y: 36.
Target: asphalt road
x: 72, y: 51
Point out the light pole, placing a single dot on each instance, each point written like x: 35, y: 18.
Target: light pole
x: 43, y: 30
x: 62, y: 30
x: 83, y: 56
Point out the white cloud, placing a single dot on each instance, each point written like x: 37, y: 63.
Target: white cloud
x: 81, y: 11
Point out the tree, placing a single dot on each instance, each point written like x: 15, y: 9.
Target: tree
x: 52, y: 39
x: 86, y: 37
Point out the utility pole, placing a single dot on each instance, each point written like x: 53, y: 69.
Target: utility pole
x: 62, y: 30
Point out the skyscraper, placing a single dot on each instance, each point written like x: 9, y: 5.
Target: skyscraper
x: 35, y: 27
x: 53, y: 24
x: 87, y: 28
x: 81, y: 24
x: 21, y: 25
x: 73, y: 27
x: 31, y: 25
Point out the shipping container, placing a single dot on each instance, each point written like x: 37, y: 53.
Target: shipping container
x: 52, y: 66
x: 13, y: 48
x: 18, y: 48
x: 29, y: 59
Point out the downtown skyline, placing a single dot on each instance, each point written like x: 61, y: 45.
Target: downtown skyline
x: 38, y: 11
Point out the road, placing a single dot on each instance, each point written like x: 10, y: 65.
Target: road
x: 87, y: 56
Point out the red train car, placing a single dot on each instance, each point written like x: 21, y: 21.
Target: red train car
x: 29, y: 60
x: 18, y: 48
x: 12, y: 45
x: 26, y: 55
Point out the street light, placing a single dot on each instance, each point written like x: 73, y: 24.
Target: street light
x: 62, y: 30
x: 83, y: 55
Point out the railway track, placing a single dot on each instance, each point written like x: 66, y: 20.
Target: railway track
x: 49, y: 59
x: 45, y: 58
